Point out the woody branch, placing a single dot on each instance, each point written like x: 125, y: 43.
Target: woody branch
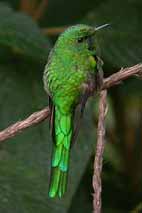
x: 41, y: 115
x: 98, y: 162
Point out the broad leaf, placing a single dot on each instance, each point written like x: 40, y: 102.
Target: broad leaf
x: 22, y: 35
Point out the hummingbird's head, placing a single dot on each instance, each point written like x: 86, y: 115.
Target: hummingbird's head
x: 79, y: 38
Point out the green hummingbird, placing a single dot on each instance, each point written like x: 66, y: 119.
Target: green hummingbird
x: 70, y: 77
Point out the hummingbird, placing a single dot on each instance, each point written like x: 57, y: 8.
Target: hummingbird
x: 70, y: 77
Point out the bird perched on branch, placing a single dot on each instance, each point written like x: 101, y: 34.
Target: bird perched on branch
x: 70, y: 77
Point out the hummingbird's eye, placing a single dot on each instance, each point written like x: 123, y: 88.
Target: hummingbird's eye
x: 80, y: 40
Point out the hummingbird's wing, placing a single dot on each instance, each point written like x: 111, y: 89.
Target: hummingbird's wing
x: 84, y: 98
x: 93, y: 84
x: 51, y: 119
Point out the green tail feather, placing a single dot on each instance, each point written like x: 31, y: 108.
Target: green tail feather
x: 61, y: 150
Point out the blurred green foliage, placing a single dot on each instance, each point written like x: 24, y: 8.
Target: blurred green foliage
x: 25, y: 159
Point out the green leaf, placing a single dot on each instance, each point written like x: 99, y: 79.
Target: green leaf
x: 22, y: 35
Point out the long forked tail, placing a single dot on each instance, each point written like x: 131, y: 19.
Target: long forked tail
x: 62, y: 134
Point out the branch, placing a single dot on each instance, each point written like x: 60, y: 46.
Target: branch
x: 39, y: 116
x: 53, y: 31
x: 33, y: 8
x: 97, y: 185
x: 33, y: 119
x: 123, y: 74
x: 98, y: 162
x: 40, y: 10
x: 28, y: 6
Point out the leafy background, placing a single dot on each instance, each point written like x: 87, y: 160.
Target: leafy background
x: 25, y: 159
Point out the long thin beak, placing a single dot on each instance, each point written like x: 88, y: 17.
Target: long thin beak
x: 102, y: 26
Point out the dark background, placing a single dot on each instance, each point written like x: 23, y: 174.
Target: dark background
x: 25, y: 159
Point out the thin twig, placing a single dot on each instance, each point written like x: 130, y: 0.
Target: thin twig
x: 33, y: 119
x: 44, y: 113
x: 28, y: 6
x: 40, y: 10
x: 97, y: 185
x: 32, y: 8
x: 53, y: 31
x: 24, y: 5
x: 124, y: 73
